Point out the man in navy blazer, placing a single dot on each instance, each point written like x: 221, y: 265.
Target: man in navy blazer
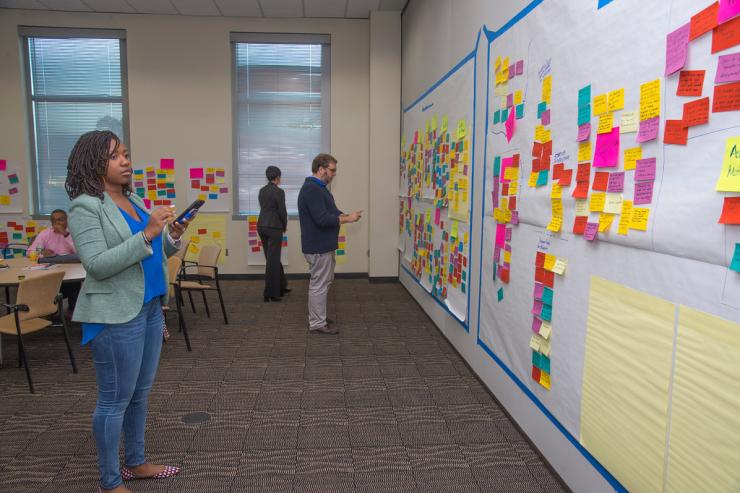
x: 320, y: 219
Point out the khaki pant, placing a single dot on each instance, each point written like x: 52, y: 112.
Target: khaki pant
x: 321, y: 267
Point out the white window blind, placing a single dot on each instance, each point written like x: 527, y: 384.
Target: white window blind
x: 74, y: 85
x: 281, y: 96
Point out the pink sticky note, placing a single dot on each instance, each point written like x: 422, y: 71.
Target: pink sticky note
x: 500, y: 234
x: 509, y: 100
x: 676, y: 48
x: 643, y: 192
x: 591, y: 231
x: 508, y: 234
x: 196, y: 173
x: 497, y: 254
x: 510, y: 126
x: 606, y: 153
x: 727, y: 10
x: 494, y: 194
x: 437, y: 213
x: 514, y: 217
x: 505, y: 163
x: 536, y: 307
x: 616, y: 182
x: 3, y: 164
x: 12, y: 191
x: 539, y: 288
x: 645, y: 169
x: 148, y: 203
x: 520, y: 67
x: 728, y: 68
x: 167, y: 163
x: 512, y: 71
x: 546, y: 117
x: 648, y: 129
x: 584, y: 132
x: 536, y: 324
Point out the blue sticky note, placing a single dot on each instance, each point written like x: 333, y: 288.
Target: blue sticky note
x: 462, y: 288
x: 547, y: 295
x: 546, y: 313
x: 535, y: 359
x: 735, y: 264
x: 541, y: 108
x: 584, y: 96
x: 497, y: 117
x: 212, y: 196
x: 603, y: 3
x: 504, y: 115
x: 497, y: 166
x: 520, y: 111
x: 500, y: 293
x: 544, y: 363
x: 584, y: 114
x: 542, y: 178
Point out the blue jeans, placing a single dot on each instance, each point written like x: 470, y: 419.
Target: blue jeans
x: 126, y: 357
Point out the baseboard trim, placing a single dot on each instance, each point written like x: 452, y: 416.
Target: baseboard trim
x: 294, y: 276
x: 383, y: 279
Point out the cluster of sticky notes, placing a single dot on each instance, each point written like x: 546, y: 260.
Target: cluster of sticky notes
x: 156, y: 186
x: 210, y: 182
x: 19, y: 232
x: 649, y: 111
x: 729, y: 181
x: 556, y: 201
x: 512, y: 102
x: 203, y: 236
x: 6, y: 194
x: 253, y: 239
x: 458, y: 190
x: 606, y: 152
x: 457, y: 269
x: 506, y: 173
x: 541, y: 157
x: 546, y: 267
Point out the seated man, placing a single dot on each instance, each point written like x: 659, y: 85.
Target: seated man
x: 57, y: 241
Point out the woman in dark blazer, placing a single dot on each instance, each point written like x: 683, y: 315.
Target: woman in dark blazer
x: 272, y: 223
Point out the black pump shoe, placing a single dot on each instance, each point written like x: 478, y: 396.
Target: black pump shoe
x: 272, y: 298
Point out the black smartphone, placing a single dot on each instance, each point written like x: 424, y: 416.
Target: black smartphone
x: 189, y: 211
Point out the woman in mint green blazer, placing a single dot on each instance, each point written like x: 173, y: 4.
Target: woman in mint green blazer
x: 124, y: 249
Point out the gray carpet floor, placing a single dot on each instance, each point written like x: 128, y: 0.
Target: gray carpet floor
x: 386, y: 406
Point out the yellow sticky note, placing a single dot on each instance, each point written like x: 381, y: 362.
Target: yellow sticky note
x: 195, y: 239
x: 559, y: 268
x: 534, y: 342
x: 460, y: 129
x: 639, y: 218
x: 546, y: 329
x: 507, y: 256
x: 533, y: 180
x: 549, y: 261
x: 598, y: 199
x: 541, y: 134
x: 629, y: 122
x: 443, y: 127
x: 600, y: 104
x: 605, y: 222
x: 4, y: 199
x: 545, y: 380
x: 581, y: 207
x: 202, y: 196
x: 557, y: 207
x: 434, y: 122
x: 631, y: 156
x: 511, y: 173
x: 584, y: 151
x: 625, y: 217
x: 729, y: 178
x: 557, y: 191
x: 547, y: 89
x: 513, y: 188
x: 497, y: 65
x: 606, y: 122
x: 518, y: 97
x: 555, y: 224
x: 613, y: 203
x: 217, y: 234
x: 650, y: 100
x: 616, y: 100
x: 504, y: 203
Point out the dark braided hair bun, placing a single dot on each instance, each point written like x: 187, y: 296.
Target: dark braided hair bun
x: 88, y: 163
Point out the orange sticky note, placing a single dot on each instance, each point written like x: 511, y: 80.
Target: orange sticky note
x: 690, y: 82
x: 730, y: 211
x: 727, y: 96
x: 601, y: 181
x: 726, y: 35
x: 704, y: 21
x: 696, y: 112
x: 675, y: 132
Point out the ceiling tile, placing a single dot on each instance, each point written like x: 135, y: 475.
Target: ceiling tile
x: 153, y: 6
x: 66, y: 5
x: 397, y: 5
x: 361, y: 8
x: 325, y: 8
x: 196, y: 7
x: 282, y: 8
x: 110, y: 6
x: 243, y: 8
x: 21, y: 4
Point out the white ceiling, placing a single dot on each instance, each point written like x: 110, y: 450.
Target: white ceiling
x: 224, y: 8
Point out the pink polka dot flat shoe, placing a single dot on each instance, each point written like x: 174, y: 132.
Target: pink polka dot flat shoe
x: 169, y: 471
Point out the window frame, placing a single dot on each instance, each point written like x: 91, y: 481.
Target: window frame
x: 26, y: 32
x: 277, y: 38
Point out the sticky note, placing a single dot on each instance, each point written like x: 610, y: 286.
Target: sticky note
x: 584, y: 132
x: 729, y: 178
x: 581, y: 207
x: 625, y: 217
x: 559, y: 268
x: 500, y: 294
x: 613, y: 203
x: 690, y: 83
x: 650, y: 100
x: 735, y: 263
x: 601, y: 181
x: 728, y: 68
x: 631, y: 156
x: 591, y: 231
x: 696, y: 112
x: 606, y: 153
x: 167, y: 163
x: 648, y: 129
x: 547, y: 89
x: 509, y: 126
x: 597, y: 201
x: 584, y: 114
x: 3, y: 164
x: 677, y: 47
x: 629, y: 122
x: 616, y: 100
x: 730, y: 211
x: 605, y: 222
x: 584, y: 95
x: 704, y: 21
x: 600, y: 104
x: 676, y: 132
x: 639, y: 219
x: 726, y: 35
x: 726, y: 96
x: 565, y: 177
x: 584, y: 151
x: 196, y: 173
x: 606, y: 122
x: 643, y: 192
x: 616, y: 182
x: 645, y: 169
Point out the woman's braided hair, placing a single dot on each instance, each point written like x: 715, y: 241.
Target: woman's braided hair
x: 88, y: 163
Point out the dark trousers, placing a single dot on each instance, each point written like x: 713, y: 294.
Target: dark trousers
x: 272, y: 244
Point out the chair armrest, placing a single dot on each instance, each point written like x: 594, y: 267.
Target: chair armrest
x: 17, y: 308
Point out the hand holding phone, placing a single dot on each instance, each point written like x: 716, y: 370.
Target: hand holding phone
x: 191, y: 209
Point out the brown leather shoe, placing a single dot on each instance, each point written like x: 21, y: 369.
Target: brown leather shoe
x: 325, y: 330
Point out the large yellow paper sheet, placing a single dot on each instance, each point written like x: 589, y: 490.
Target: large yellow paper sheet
x: 214, y: 227
x: 704, y: 446
x: 627, y: 367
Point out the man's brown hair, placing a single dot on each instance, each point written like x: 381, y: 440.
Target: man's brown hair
x: 322, y: 161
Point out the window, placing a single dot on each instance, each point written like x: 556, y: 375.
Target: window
x: 75, y: 82
x: 281, y: 112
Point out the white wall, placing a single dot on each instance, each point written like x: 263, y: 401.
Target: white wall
x: 179, y: 80
x: 437, y: 34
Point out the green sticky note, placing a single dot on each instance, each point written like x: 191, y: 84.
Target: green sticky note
x: 547, y: 295
x: 497, y: 117
x: 504, y: 114
x: 535, y: 359
x: 340, y: 252
x: 544, y: 363
x: 584, y: 96
x: 584, y: 114
x: 520, y: 111
x: 541, y: 108
x: 542, y: 177
x: 497, y: 166
x: 735, y: 264
x: 546, y: 313
x: 500, y: 293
